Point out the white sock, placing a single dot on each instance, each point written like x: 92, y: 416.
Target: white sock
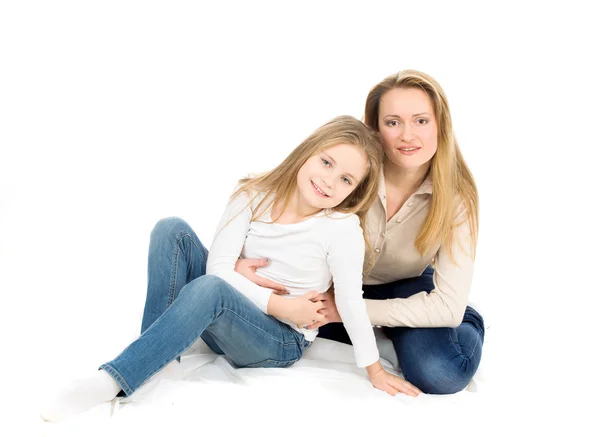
x: 81, y: 395
x: 173, y: 370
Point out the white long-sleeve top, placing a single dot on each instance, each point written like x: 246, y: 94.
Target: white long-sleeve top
x: 303, y: 256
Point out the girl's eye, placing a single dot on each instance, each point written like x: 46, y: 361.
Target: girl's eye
x: 347, y: 181
x: 422, y: 121
x: 325, y: 162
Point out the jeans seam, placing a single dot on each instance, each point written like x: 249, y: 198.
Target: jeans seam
x: 174, y: 268
x: 118, y: 377
x: 183, y: 234
x: 286, y: 363
x: 473, y: 349
x: 458, y: 349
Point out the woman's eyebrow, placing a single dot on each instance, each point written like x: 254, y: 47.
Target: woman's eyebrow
x: 414, y: 115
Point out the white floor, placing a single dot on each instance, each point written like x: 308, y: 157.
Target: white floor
x: 323, y: 392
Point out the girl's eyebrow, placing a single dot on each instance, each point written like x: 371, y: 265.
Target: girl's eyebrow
x: 334, y: 163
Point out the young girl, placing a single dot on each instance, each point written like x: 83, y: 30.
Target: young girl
x: 307, y: 214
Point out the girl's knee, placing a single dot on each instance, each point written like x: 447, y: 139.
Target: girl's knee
x: 207, y: 289
x: 169, y: 225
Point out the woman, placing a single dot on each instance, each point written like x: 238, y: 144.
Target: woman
x: 423, y: 229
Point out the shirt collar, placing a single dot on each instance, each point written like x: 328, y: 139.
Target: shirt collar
x: 426, y: 186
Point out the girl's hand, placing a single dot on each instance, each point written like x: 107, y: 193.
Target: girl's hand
x: 390, y: 383
x: 247, y: 268
x: 329, y: 310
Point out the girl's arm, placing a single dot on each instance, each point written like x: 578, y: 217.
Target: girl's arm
x: 345, y: 257
x: 227, y: 246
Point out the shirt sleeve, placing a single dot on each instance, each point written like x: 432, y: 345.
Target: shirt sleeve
x: 227, y: 246
x: 345, y: 258
x: 445, y: 305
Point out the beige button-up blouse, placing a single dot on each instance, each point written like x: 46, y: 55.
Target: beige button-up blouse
x: 396, y: 257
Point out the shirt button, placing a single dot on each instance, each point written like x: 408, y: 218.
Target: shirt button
x: 377, y: 250
x: 398, y: 221
x: 410, y: 204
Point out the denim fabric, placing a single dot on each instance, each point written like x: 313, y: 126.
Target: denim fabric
x: 437, y: 360
x: 183, y: 304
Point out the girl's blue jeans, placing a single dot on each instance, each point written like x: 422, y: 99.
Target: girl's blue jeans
x: 183, y: 304
x: 437, y: 360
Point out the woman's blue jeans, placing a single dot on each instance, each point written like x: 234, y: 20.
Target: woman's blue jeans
x: 437, y: 360
x: 183, y: 304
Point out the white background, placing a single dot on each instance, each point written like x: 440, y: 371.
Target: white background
x: 116, y: 114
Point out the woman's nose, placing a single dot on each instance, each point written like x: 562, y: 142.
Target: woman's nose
x: 407, y: 134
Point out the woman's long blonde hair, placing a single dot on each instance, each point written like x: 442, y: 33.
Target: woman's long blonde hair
x: 453, y: 183
x: 280, y: 183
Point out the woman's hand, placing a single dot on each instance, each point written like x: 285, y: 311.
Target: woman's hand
x: 247, y: 268
x: 390, y: 383
x: 329, y: 309
x: 302, y: 310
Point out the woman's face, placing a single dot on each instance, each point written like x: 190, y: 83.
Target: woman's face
x: 408, y: 127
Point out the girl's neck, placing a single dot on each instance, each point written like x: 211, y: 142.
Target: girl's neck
x: 296, y: 210
x: 407, y: 180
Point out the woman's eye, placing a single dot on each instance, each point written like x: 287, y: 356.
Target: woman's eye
x: 347, y: 181
x: 422, y: 121
x: 327, y: 163
x: 393, y: 123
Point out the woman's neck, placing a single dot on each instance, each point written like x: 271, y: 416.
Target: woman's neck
x: 406, y: 180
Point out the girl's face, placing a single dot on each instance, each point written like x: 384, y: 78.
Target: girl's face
x: 408, y: 127
x: 327, y: 178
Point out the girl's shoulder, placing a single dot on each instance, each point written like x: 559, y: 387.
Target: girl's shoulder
x: 341, y: 220
x: 249, y: 194
x: 339, y: 215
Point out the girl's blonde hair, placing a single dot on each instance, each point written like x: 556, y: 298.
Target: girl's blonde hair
x: 280, y: 183
x: 453, y: 183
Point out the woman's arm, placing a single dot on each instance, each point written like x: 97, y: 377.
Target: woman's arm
x: 445, y: 305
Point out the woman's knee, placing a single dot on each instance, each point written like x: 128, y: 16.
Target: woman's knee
x: 439, y: 378
x: 439, y: 361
